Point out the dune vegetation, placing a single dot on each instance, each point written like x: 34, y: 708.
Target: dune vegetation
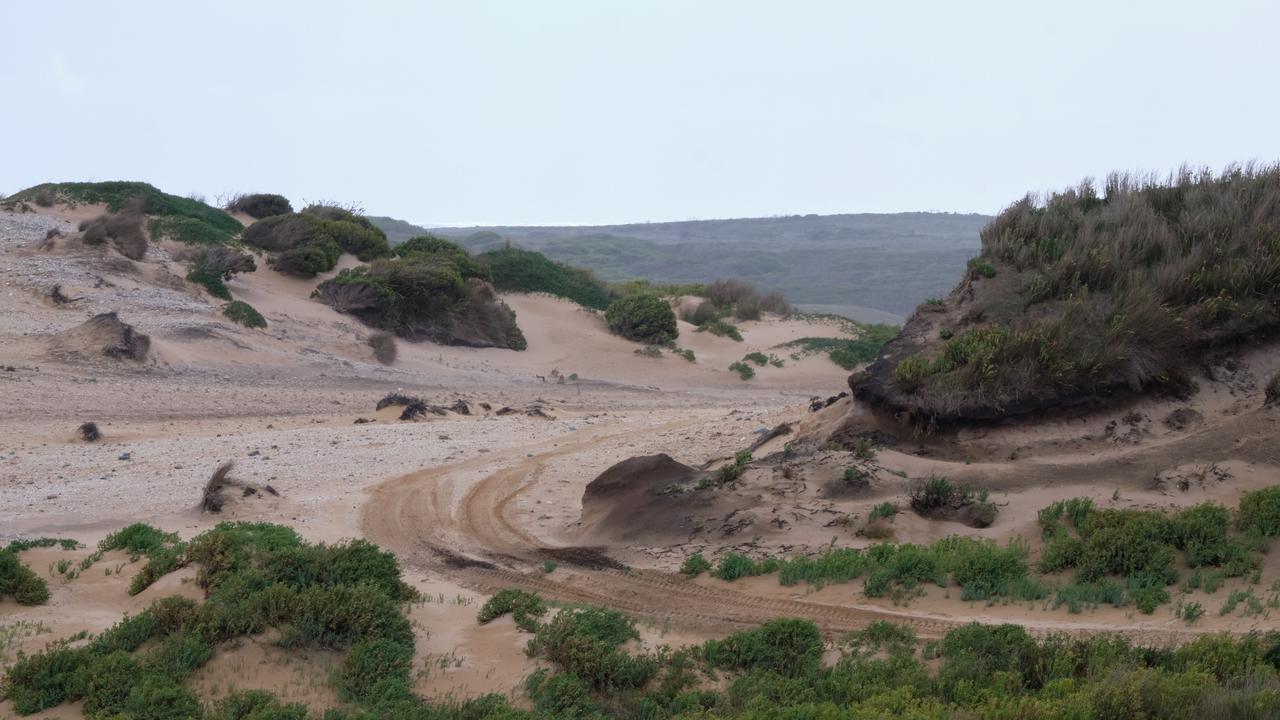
x: 350, y: 598
x: 431, y: 290
x: 1089, y: 293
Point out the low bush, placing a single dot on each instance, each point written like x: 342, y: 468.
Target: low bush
x: 516, y: 270
x: 1259, y: 512
x: 883, y: 510
x: 643, y: 318
x: 244, y: 314
x: 260, y: 205
x: 584, y: 642
x: 525, y: 608
x: 845, y: 352
x: 721, y: 328
x: 188, y: 231
x: 425, y: 296
x: 745, y: 371
x: 212, y: 266
x: 786, y: 646
x: 694, y: 565
x: 311, y: 242
x: 20, y: 582
x: 1273, y: 389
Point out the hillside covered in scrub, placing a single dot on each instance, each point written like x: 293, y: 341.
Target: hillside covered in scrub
x: 1092, y: 294
x: 885, y: 262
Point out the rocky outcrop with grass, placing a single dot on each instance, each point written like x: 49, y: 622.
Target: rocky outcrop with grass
x: 432, y: 291
x: 1091, y: 295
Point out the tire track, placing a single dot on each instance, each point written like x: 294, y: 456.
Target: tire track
x: 441, y: 521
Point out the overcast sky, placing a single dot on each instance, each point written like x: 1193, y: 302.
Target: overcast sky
x: 594, y: 112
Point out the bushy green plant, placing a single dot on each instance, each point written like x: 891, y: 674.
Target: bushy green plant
x: 516, y: 270
x: 786, y: 646
x: 745, y: 371
x: 189, y: 231
x: 758, y: 358
x: 525, y: 608
x: 722, y: 329
x: 20, y: 582
x: 1272, y: 391
x: 884, y: 510
x: 1259, y: 512
x: 260, y: 205
x: 424, y: 296
x: 244, y: 314
x: 643, y: 318
x: 694, y: 565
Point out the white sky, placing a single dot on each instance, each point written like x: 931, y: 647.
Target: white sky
x: 547, y: 112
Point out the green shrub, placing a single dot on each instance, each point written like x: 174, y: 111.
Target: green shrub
x: 786, y: 646
x: 44, y: 680
x: 1273, y: 389
x: 694, y: 565
x: 909, y: 375
x: 643, y: 318
x: 1259, y: 512
x: 884, y: 510
x: 309, y: 242
x: 584, y: 642
x: 188, y: 231
x: 255, y: 705
x: 245, y: 314
x: 722, y: 329
x: 734, y: 566
x: 20, y: 582
x: 525, y: 608
x: 424, y: 297
x: 744, y: 370
x: 981, y: 268
x: 260, y: 205
x: 367, y: 663
x: 430, y: 247
x: 517, y: 270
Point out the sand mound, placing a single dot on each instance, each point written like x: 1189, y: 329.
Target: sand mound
x: 641, y: 498
x: 103, y: 334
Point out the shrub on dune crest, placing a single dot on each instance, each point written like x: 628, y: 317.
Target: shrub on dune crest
x: 260, y: 205
x: 431, y: 292
x: 644, y: 318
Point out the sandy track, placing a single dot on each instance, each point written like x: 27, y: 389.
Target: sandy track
x: 458, y: 521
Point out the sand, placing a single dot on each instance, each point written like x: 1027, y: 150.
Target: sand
x: 472, y: 503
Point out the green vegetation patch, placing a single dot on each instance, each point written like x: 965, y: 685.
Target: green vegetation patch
x: 848, y: 353
x: 643, y: 318
x: 1122, y: 288
x: 117, y: 194
x: 245, y: 314
x: 516, y: 270
x: 311, y: 241
x: 432, y: 291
